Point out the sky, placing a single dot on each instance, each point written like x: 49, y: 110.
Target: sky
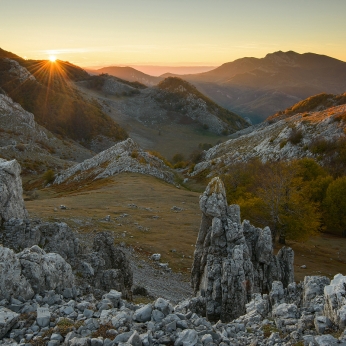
x: 170, y: 32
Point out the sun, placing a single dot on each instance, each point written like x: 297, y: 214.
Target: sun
x: 52, y: 58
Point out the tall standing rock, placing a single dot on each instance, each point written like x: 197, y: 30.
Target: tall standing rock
x: 233, y: 260
x: 222, y: 270
x: 11, y: 191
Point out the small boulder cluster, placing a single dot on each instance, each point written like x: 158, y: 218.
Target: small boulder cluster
x: 309, y: 313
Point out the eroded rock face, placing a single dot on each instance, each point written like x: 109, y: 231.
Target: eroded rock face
x: 222, y: 270
x: 8, y: 319
x: 45, y: 271
x: 11, y: 191
x: 233, y: 260
x: 335, y: 300
x: 12, y: 282
x: 107, y: 267
x: 54, y: 237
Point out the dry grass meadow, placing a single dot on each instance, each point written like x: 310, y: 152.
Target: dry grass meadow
x: 141, y: 214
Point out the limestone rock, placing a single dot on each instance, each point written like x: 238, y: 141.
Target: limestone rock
x: 335, y: 300
x: 313, y: 287
x: 54, y: 237
x: 8, y: 319
x: 326, y: 340
x: 20, y: 71
x: 45, y: 271
x: 143, y: 314
x: 233, y: 260
x: 12, y: 282
x: 285, y: 315
x: 43, y: 317
x: 187, y: 337
x: 125, y: 156
x: 11, y: 191
x: 110, y: 265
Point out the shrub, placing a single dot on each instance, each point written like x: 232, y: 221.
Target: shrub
x: 296, y: 136
x: 181, y: 164
x: 134, y: 154
x: 20, y: 147
x: 335, y: 204
x: 178, y: 158
x: 321, y: 146
x: 49, y: 176
x: 283, y: 143
x: 340, y: 117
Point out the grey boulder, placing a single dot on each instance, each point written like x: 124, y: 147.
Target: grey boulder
x: 8, y: 319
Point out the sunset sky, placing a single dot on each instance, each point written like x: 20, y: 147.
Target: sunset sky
x: 170, y: 32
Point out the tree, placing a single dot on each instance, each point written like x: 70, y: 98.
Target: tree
x: 49, y: 176
x: 335, y: 205
x: 291, y: 214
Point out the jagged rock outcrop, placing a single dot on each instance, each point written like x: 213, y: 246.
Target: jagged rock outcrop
x: 20, y: 71
x: 45, y: 271
x: 233, y: 260
x: 107, y: 266
x: 222, y: 270
x: 8, y: 319
x: 12, y: 282
x: 335, y: 301
x: 54, y: 237
x: 11, y: 191
x: 125, y: 156
x: 267, y: 267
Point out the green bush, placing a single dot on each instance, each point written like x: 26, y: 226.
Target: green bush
x: 49, y: 176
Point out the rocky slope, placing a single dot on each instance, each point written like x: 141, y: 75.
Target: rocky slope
x: 31, y: 144
x: 281, y: 138
x: 42, y: 302
x: 45, y: 89
x: 172, y: 101
x: 125, y: 156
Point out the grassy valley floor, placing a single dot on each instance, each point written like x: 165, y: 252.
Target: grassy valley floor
x: 155, y: 217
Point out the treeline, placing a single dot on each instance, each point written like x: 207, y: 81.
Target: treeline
x: 295, y: 199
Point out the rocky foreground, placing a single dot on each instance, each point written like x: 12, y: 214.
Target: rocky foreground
x: 55, y: 292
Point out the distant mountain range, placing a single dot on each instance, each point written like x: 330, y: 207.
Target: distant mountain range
x: 257, y: 88
x: 128, y: 73
x: 154, y: 70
